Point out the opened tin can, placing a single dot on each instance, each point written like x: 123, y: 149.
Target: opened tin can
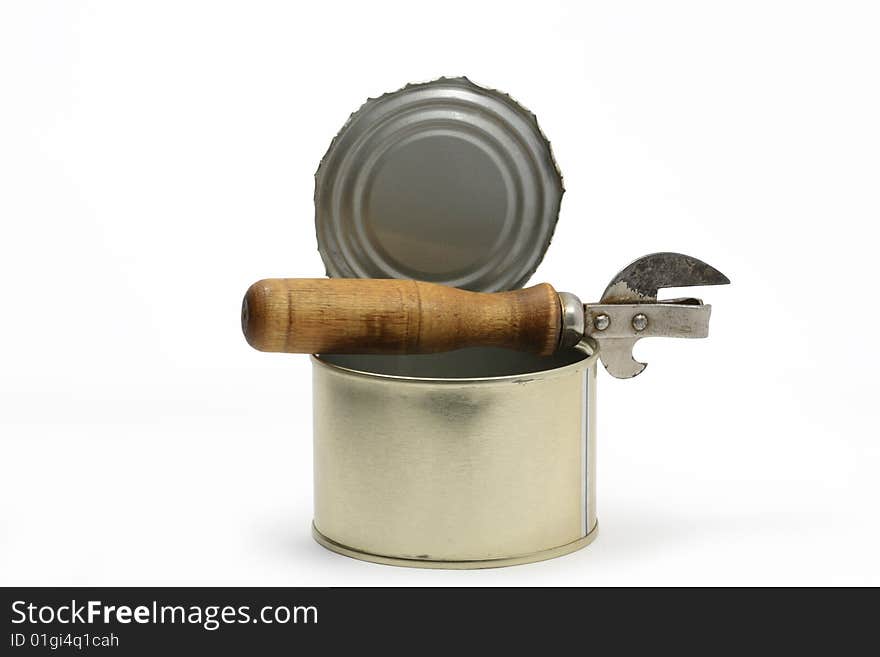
x: 472, y: 459
x: 476, y: 458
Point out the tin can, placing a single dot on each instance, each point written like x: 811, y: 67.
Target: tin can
x: 471, y: 459
x: 474, y: 459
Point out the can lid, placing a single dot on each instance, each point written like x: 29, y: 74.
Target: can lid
x: 443, y: 181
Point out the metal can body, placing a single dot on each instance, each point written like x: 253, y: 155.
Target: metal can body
x: 416, y: 465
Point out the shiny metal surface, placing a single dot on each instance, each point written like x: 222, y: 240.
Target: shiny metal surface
x: 627, y: 323
x: 455, y: 472
x: 445, y: 181
x: 572, y: 320
x: 457, y: 565
x: 629, y: 309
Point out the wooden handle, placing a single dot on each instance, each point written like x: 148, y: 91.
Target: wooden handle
x: 326, y: 315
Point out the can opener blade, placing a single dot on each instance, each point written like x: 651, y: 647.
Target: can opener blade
x: 629, y: 309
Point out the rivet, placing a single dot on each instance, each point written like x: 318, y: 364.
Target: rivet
x: 601, y: 322
x: 640, y: 322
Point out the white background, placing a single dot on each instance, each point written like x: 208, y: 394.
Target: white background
x: 156, y: 158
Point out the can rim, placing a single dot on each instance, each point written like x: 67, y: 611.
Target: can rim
x: 588, y: 347
x: 498, y: 562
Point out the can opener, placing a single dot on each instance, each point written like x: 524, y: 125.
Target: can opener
x: 357, y: 316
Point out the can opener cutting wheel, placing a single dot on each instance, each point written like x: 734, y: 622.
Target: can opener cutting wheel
x: 359, y: 316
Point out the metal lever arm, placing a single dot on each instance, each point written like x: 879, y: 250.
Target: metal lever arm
x: 617, y: 328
